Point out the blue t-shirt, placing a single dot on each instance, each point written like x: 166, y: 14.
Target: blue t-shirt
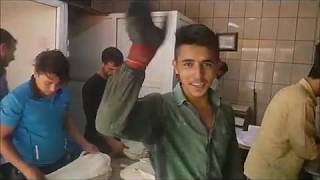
x: 39, y: 135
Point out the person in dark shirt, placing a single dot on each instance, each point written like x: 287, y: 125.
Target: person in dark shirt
x: 7, y: 48
x: 92, y: 92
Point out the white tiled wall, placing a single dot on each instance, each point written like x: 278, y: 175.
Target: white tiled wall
x: 276, y: 42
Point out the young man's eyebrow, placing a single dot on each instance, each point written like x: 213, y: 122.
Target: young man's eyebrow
x: 208, y: 60
x: 187, y: 60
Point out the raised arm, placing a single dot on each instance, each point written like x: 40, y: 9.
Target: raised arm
x: 120, y: 112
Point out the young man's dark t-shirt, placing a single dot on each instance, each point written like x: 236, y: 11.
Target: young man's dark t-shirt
x: 92, y: 92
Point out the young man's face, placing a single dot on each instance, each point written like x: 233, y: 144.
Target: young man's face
x: 48, y: 84
x: 7, y: 53
x: 196, y: 68
x: 109, y: 68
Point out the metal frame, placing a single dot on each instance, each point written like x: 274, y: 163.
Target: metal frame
x: 61, y: 42
x: 233, y: 46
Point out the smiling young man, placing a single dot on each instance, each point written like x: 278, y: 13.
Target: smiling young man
x: 35, y: 122
x: 189, y: 132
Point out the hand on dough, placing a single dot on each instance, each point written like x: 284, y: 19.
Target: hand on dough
x: 90, y: 148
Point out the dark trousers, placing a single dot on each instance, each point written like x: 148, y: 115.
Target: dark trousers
x: 9, y: 172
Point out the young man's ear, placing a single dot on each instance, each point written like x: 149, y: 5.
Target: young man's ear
x: 2, y: 48
x: 174, y: 64
x: 34, y: 72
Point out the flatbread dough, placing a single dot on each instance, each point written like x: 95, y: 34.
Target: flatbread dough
x: 141, y: 170
x: 86, y: 167
x: 134, y: 150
